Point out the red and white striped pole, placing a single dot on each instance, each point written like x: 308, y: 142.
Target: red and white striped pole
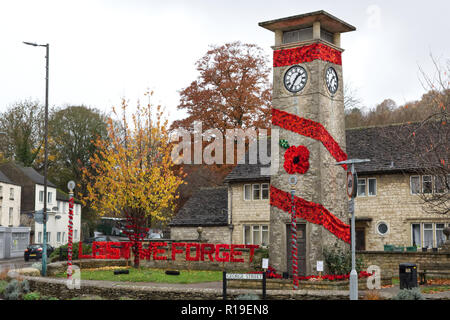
x: 71, y: 186
x: 294, y: 244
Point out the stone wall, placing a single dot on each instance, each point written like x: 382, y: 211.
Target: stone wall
x: 115, y: 291
x: 389, y: 261
x: 395, y: 205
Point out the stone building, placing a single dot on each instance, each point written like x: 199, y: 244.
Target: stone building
x: 388, y: 208
x: 205, y: 209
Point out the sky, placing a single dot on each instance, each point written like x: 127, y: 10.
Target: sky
x: 102, y: 51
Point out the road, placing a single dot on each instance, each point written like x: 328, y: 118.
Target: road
x: 15, y: 263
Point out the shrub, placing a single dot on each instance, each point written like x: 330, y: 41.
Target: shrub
x: 409, y: 294
x: 55, y: 256
x: 339, y: 261
x: 15, y: 289
x: 32, y: 296
x: 3, y: 284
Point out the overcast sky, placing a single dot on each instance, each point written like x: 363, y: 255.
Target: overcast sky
x: 101, y: 51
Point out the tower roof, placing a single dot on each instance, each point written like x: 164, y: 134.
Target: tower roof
x: 327, y: 22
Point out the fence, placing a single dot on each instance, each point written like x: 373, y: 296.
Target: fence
x: 13, y: 241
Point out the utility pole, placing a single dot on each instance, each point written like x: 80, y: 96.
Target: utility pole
x: 352, y: 185
x: 44, y: 250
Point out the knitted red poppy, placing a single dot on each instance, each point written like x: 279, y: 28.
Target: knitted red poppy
x: 296, y: 160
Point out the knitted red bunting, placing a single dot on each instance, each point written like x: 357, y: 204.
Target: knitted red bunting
x: 287, y: 57
x: 311, y: 129
x: 311, y: 212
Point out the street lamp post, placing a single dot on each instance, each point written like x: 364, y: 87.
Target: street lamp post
x: 352, y: 185
x: 44, y: 253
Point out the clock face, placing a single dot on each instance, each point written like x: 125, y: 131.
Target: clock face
x: 331, y: 80
x: 295, y: 79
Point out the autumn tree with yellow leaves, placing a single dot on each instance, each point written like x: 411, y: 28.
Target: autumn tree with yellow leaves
x: 132, y: 174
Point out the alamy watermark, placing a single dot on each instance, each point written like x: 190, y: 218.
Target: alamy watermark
x: 220, y: 147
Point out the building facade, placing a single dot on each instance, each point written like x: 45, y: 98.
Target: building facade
x: 32, y: 200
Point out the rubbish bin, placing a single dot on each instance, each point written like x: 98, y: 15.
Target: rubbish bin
x: 408, y: 275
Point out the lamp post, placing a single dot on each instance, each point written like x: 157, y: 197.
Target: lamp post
x: 44, y: 253
x: 352, y: 185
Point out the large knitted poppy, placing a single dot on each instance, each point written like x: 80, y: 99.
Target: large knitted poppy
x: 296, y: 160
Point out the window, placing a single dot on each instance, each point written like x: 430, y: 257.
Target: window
x: 58, y: 237
x: 415, y: 184
x: 75, y: 234
x: 256, y: 192
x: 427, y: 184
x: 247, y: 235
x: 428, y: 235
x: 256, y: 234
x: 416, y: 235
x: 264, y: 235
x: 382, y: 228
x: 265, y: 191
x: 11, y: 193
x: 41, y: 196
x: 40, y: 237
x: 440, y: 237
x: 11, y: 213
x: 372, y: 186
x: 48, y: 237
x: 1, y: 192
x: 297, y: 35
x: 49, y: 200
x: 441, y: 184
x: 63, y: 237
x: 247, y: 192
x: 361, y: 188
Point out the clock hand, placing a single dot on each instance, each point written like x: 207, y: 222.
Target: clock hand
x: 293, y: 82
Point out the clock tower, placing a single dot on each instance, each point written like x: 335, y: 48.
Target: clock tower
x: 309, y: 210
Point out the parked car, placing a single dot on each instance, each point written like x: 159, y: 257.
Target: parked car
x: 34, y: 251
x: 97, y: 239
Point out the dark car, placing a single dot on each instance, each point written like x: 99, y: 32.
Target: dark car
x: 34, y: 251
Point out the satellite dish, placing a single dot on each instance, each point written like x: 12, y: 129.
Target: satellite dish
x: 71, y: 185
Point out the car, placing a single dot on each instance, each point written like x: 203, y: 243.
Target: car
x: 34, y: 251
x: 97, y: 239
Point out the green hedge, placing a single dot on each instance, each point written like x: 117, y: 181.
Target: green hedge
x: 55, y: 256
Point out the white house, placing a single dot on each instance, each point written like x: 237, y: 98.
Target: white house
x: 10, y: 195
x: 32, y: 200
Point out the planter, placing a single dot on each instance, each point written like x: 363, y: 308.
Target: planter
x: 424, y: 249
x: 411, y: 249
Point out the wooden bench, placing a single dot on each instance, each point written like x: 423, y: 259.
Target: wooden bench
x: 433, y: 269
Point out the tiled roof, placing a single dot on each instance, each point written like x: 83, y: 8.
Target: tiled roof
x: 4, y: 178
x: 206, y: 207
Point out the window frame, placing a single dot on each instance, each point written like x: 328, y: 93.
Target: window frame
x: 368, y: 187
x: 250, y: 198
x: 253, y: 191
x: 423, y: 234
x: 410, y: 184
x: 365, y: 187
x: 265, y: 186
x: 423, y: 182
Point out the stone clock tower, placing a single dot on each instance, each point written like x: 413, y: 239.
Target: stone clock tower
x: 308, y: 111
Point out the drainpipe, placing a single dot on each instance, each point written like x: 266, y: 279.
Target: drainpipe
x: 230, y: 212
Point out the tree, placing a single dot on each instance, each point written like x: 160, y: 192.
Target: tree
x: 72, y: 130
x: 132, y: 173
x: 427, y: 142
x: 232, y: 91
x: 23, y: 124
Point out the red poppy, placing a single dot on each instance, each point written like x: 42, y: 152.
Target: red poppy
x: 296, y: 160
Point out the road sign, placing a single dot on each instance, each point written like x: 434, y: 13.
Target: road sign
x: 244, y: 276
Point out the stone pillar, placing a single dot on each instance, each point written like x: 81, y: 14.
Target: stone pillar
x: 316, y: 30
